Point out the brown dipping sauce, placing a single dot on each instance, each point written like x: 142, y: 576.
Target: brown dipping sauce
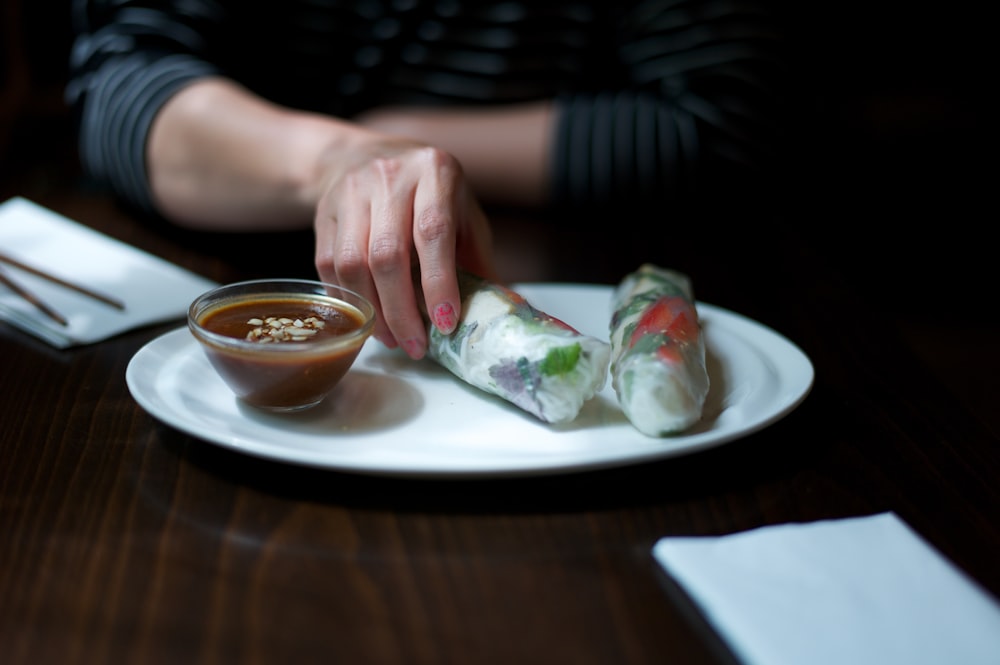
x: 282, y: 367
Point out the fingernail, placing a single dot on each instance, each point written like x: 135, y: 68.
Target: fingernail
x: 414, y: 348
x: 444, y: 318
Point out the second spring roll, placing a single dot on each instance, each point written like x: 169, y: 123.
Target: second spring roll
x: 658, y: 351
x: 506, y: 347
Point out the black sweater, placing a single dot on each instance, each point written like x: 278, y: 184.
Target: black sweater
x: 659, y: 101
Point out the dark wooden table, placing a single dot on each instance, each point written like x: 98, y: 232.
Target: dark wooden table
x: 123, y: 540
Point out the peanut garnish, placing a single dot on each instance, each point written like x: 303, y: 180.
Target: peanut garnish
x: 281, y: 329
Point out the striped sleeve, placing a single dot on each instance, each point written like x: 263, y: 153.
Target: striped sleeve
x: 696, y: 108
x: 125, y: 64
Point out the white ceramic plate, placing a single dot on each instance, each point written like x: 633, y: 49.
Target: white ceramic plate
x: 394, y: 416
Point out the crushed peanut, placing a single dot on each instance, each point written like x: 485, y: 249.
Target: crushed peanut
x: 282, y: 329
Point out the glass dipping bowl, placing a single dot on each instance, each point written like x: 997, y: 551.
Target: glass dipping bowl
x: 281, y: 344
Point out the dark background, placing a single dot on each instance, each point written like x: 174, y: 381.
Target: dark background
x: 893, y: 139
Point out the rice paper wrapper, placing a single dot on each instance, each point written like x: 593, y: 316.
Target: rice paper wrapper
x: 658, y: 366
x: 507, y: 348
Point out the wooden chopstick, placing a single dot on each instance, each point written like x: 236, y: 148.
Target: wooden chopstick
x: 33, y: 299
x: 107, y: 300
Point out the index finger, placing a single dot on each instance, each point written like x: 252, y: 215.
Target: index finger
x: 435, y: 240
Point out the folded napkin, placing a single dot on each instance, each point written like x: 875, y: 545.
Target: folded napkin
x: 856, y: 591
x: 153, y: 290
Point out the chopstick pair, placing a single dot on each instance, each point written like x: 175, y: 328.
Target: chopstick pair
x: 37, y: 302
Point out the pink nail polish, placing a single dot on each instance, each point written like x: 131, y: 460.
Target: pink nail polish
x: 444, y: 318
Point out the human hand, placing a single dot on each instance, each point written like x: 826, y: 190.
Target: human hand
x: 398, y: 209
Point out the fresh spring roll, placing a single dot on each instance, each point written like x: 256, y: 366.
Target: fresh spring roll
x: 658, y: 351
x: 506, y: 347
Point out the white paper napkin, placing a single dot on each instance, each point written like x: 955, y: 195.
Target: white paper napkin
x: 153, y: 290
x: 858, y: 591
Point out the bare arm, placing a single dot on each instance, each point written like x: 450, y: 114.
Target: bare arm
x: 221, y: 158
x: 505, y: 151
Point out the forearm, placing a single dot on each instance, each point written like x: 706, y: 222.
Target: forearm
x: 504, y: 151
x: 221, y: 158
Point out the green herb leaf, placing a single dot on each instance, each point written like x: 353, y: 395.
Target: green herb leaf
x: 560, y: 360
